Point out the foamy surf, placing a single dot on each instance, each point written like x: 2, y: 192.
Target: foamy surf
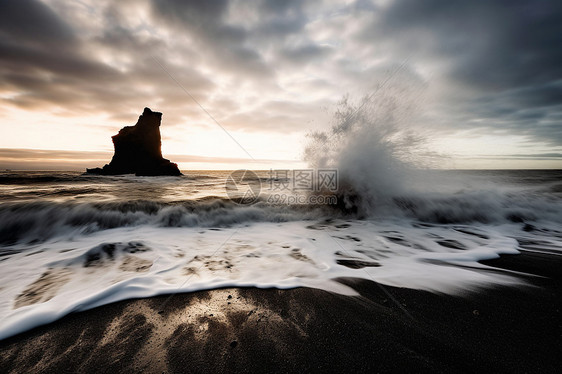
x: 45, y: 282
x: 71, y: 242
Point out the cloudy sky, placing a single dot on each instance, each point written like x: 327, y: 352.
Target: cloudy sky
x: 487, y: 77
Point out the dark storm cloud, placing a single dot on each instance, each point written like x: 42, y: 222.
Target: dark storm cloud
x: 33, y: 21
x: 530, y: 101
x: 279, y: 27
x: 41, y: 57
x: 279, y: 19
x: 49, y: 64
x: 498, y: 63
x: 494, y: 45
x: 34, y: 39
x: 205, y: 23
x: 507, y: 52
x: 306, y: 53
x: 534, y: 111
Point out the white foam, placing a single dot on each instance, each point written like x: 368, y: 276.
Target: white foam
x: 282, y: 255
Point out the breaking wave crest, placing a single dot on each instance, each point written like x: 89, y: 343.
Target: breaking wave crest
x: 31, y: 222
x: 37, y: 221
x: 383, y: 160
x: 70, y: 242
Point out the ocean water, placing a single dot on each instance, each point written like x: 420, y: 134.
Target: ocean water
x: 374, y: 209
x: 70, y: 242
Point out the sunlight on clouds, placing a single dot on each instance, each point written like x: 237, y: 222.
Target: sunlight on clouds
x: 270, y: 72
x: 45, y: 130
x: 214, y: 142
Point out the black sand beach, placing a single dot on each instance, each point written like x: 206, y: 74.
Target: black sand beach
x: 514, y: 330
x: 201, y: 186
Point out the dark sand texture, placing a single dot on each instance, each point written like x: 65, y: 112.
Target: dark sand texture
x: 513, y: 330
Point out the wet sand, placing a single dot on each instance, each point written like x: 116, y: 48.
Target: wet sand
x: 386, y: 329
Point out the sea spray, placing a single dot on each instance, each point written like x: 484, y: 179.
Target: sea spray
x: 381, y: 154
x: 83, y: 241
x: 374, y: 145
x: 70, y: 242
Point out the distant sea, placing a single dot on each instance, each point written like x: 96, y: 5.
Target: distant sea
x: 71, y: 242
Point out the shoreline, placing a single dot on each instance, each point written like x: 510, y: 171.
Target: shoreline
x: 501, y: 329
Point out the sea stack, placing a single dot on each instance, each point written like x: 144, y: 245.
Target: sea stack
x: 138, y: 150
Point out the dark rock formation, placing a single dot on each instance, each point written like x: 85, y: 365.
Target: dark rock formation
x: 138, y: 150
